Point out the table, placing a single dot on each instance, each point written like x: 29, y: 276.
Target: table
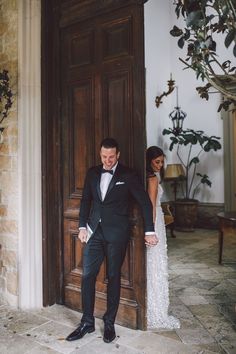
x: 227, y: 222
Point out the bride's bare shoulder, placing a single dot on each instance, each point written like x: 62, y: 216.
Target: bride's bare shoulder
x: 152, y: 179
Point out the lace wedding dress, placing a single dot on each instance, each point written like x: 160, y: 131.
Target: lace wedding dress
x: 157, y: 277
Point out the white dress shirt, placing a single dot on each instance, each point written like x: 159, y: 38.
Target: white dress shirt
x: 105, y: 181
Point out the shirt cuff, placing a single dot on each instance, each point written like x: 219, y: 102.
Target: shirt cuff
x: 149, y: 233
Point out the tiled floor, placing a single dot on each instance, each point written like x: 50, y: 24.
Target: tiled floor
x: 203, y: 297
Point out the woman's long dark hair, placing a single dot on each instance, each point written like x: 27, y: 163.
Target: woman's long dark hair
x: 152, y: 153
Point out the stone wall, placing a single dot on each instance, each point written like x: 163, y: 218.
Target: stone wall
x: 8, y: 160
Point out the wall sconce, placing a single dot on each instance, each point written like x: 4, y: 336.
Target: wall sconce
x: 175, y: 173
x: 171, y: 86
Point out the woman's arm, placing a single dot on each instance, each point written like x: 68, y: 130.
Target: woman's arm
x: 152, y: 188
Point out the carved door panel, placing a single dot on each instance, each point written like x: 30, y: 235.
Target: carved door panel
x: 101, y: 84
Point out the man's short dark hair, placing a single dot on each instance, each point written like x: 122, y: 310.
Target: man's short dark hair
x: 109, y: 143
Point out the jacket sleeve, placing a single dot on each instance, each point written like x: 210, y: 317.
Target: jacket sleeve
x: 86, y: 200
x: 141, y: 196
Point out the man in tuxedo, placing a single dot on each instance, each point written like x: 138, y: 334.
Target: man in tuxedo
x: 104, y: 214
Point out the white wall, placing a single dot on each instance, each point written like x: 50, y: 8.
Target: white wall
x: 161, y: 59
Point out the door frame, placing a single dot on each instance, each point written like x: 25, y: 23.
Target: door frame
x: 51, y: 155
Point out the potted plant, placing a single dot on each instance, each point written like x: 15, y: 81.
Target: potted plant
x: 196, y: 143
x: 207, y: 22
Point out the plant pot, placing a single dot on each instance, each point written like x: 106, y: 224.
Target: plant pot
x: 185, y: 214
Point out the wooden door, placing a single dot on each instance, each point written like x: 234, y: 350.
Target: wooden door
x: 101, y: 88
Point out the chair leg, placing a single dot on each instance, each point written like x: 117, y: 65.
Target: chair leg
x: 172, y: 230
x: 221, y: 238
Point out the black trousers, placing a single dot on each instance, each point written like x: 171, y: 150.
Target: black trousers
x: 95, y: 251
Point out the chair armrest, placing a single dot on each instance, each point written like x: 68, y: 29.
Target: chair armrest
x: 168, y: 217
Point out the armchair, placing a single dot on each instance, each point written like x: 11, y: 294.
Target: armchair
x: 168, y: 217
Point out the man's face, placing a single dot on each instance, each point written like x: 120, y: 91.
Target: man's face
x: 109, y: 157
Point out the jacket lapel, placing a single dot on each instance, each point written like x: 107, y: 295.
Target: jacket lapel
x: 113, y: 180
x: 98, y: 182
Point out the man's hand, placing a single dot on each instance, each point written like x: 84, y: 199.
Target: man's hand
x: 151, y: 240
x: 83, y: 235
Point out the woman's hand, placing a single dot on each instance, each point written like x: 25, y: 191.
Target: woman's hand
x: 151, y: 240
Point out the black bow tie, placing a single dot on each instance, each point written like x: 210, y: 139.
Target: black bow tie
x: 109, y: 171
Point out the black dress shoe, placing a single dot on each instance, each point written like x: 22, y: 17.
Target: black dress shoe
x: 109, y: 333
x: 80, y: 331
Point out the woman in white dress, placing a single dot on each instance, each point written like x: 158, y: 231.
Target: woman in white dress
x: 157, y: 260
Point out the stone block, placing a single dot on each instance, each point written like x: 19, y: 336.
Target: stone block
x: 4, y: 149
x: 13, y: 145
x: 9, y: 258
x: 9, y: 242
x: 2, y: 282
x: 5, y: 163
x: 3, y: 28
x: 3, y: 210
x: 12, y: 282
x: 12, y: 208
x: 12, y: 130
x: 14, y: 163
x: 12, y: 6
x: 12, y: 68
x: 3, y: 56
x: 9, y: 226
x: 9, y: 183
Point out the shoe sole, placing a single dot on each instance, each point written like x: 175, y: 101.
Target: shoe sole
x: 91, y: 330
x: 107, y: 340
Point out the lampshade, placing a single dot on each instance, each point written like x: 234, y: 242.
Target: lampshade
x: 174, y: 171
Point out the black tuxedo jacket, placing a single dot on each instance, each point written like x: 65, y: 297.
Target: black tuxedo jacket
x: 113, y: 211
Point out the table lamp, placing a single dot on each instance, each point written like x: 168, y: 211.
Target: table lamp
x: 174, y: 172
